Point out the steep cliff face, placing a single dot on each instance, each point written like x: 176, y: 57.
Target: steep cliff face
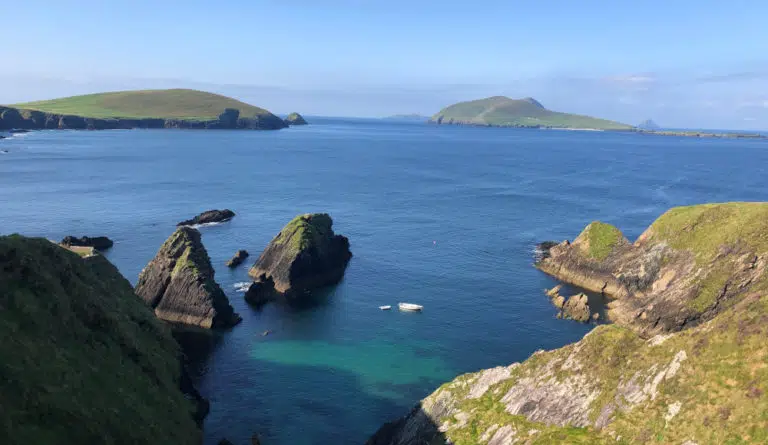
x: 179, y: 284
x: 12, y: 118
x: 689, y: 265
x: 305, y: 255
x: 83, y: 360
x: 685, y: 363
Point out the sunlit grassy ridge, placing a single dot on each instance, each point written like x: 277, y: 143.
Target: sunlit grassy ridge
x: 505, y: 112
x: 165, y: 104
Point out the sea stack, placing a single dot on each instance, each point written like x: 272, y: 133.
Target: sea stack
x: 179, y: 284
x: 295, y: 119
x: 209, y: 217
x: 305, y: 255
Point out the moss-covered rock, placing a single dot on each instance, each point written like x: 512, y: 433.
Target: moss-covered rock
x: 295, y: 119
x: 305, y: 255
x: 179, y: 284
x: 83, y: 360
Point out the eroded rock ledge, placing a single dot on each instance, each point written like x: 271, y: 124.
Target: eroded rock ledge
x: 305, y: 255
x: 179, y: 284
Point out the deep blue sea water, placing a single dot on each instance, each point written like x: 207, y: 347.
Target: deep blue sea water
x: 442, y: 216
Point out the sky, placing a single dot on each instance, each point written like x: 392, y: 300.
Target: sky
x: 682, y: 63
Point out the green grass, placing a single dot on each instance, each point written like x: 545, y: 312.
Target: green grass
x: 165, y: 104
x: 704, y: 229
x: 503, y: 111
x: 306, y: 230
x: 601, y: 238
x: 82, y: 360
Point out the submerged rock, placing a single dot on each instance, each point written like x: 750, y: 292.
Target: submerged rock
x: 305, y: 255
x: 209, y: 216
x: 238, y: 259
x: 179, y: 284
x: 295, y: 119
x: 97, y: 242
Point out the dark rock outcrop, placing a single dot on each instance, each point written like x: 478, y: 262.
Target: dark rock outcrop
x: 295, y: 119
x: 230, y: 119
x: 238, y: 259
x: 305, y: 255
x: 83, y: 359
x: 179, y: 284
x: 97, y: 242
x: 208, y: 217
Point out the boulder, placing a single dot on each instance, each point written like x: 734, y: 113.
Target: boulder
x: 295, y: 119
x: 577, y: 308
x: 209, y: 216
x: 305, y: 255
x: 97, y: 242
x: 555, y: 291
x: 179, y: 284
x: 238, y: 259
x: 558, y: 301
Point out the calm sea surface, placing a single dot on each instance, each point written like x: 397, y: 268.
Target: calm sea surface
x: 446, y: 217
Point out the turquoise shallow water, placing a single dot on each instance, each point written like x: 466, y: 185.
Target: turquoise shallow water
x: 446, y: 217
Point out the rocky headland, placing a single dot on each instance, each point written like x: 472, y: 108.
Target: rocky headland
x: 179, y: 284
x: 305, y: 255
x: 97, y: 242
x: 684, y: 363
x: 83, y: 359
x: 209, y: 217
x: 295, y: 119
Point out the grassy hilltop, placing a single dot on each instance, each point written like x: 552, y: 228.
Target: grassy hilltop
x: 164, y: 104
x: 501, y: 111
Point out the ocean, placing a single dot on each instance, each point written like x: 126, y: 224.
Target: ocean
x: 442, y: 216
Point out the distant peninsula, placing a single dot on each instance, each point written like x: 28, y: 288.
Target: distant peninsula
x: 407, y: 117
x: 501, y: 111
x: 174, y: 108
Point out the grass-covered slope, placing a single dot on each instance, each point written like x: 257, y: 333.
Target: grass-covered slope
x: 162, y: 104
x: 505, y: 112
x: 83, y: 360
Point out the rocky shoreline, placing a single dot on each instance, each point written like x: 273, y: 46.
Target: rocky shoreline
x: 14, y: 118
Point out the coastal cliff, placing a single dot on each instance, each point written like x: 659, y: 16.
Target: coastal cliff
x: 305, y: 255
x: 179, y: 284
x: 685, y: 361
x: 83, y: 360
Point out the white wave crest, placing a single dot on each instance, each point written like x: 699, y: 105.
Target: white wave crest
x: 242, y: 286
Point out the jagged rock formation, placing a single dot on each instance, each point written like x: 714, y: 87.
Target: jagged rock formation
x: 576, y: 307
x: 295, y: 119
x: 209, y: 216
x: 703, y: 381
x: 690, y: 264
x: 238, y: 259
x: 83, y: 360
x: 305, y: 255
x: 97, y: 242
x: 179, y: 284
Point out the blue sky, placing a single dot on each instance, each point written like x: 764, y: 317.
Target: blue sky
x: 683, y: 63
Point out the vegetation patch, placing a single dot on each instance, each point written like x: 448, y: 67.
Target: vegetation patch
x: 161, y: 104
x: 306, y: 230
x: 601, y: 238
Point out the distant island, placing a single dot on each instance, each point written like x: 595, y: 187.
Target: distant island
x: 501, y: 111
x: 649, y: 124
x: 407, y: 117
x: 174, y: 108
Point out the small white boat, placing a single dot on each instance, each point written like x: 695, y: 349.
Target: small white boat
x: 385, y: 308
x: 410, y: 307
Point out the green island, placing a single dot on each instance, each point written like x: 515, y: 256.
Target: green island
x: 684, y: 362
x: 501, y: 111
x: 172, y: 108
